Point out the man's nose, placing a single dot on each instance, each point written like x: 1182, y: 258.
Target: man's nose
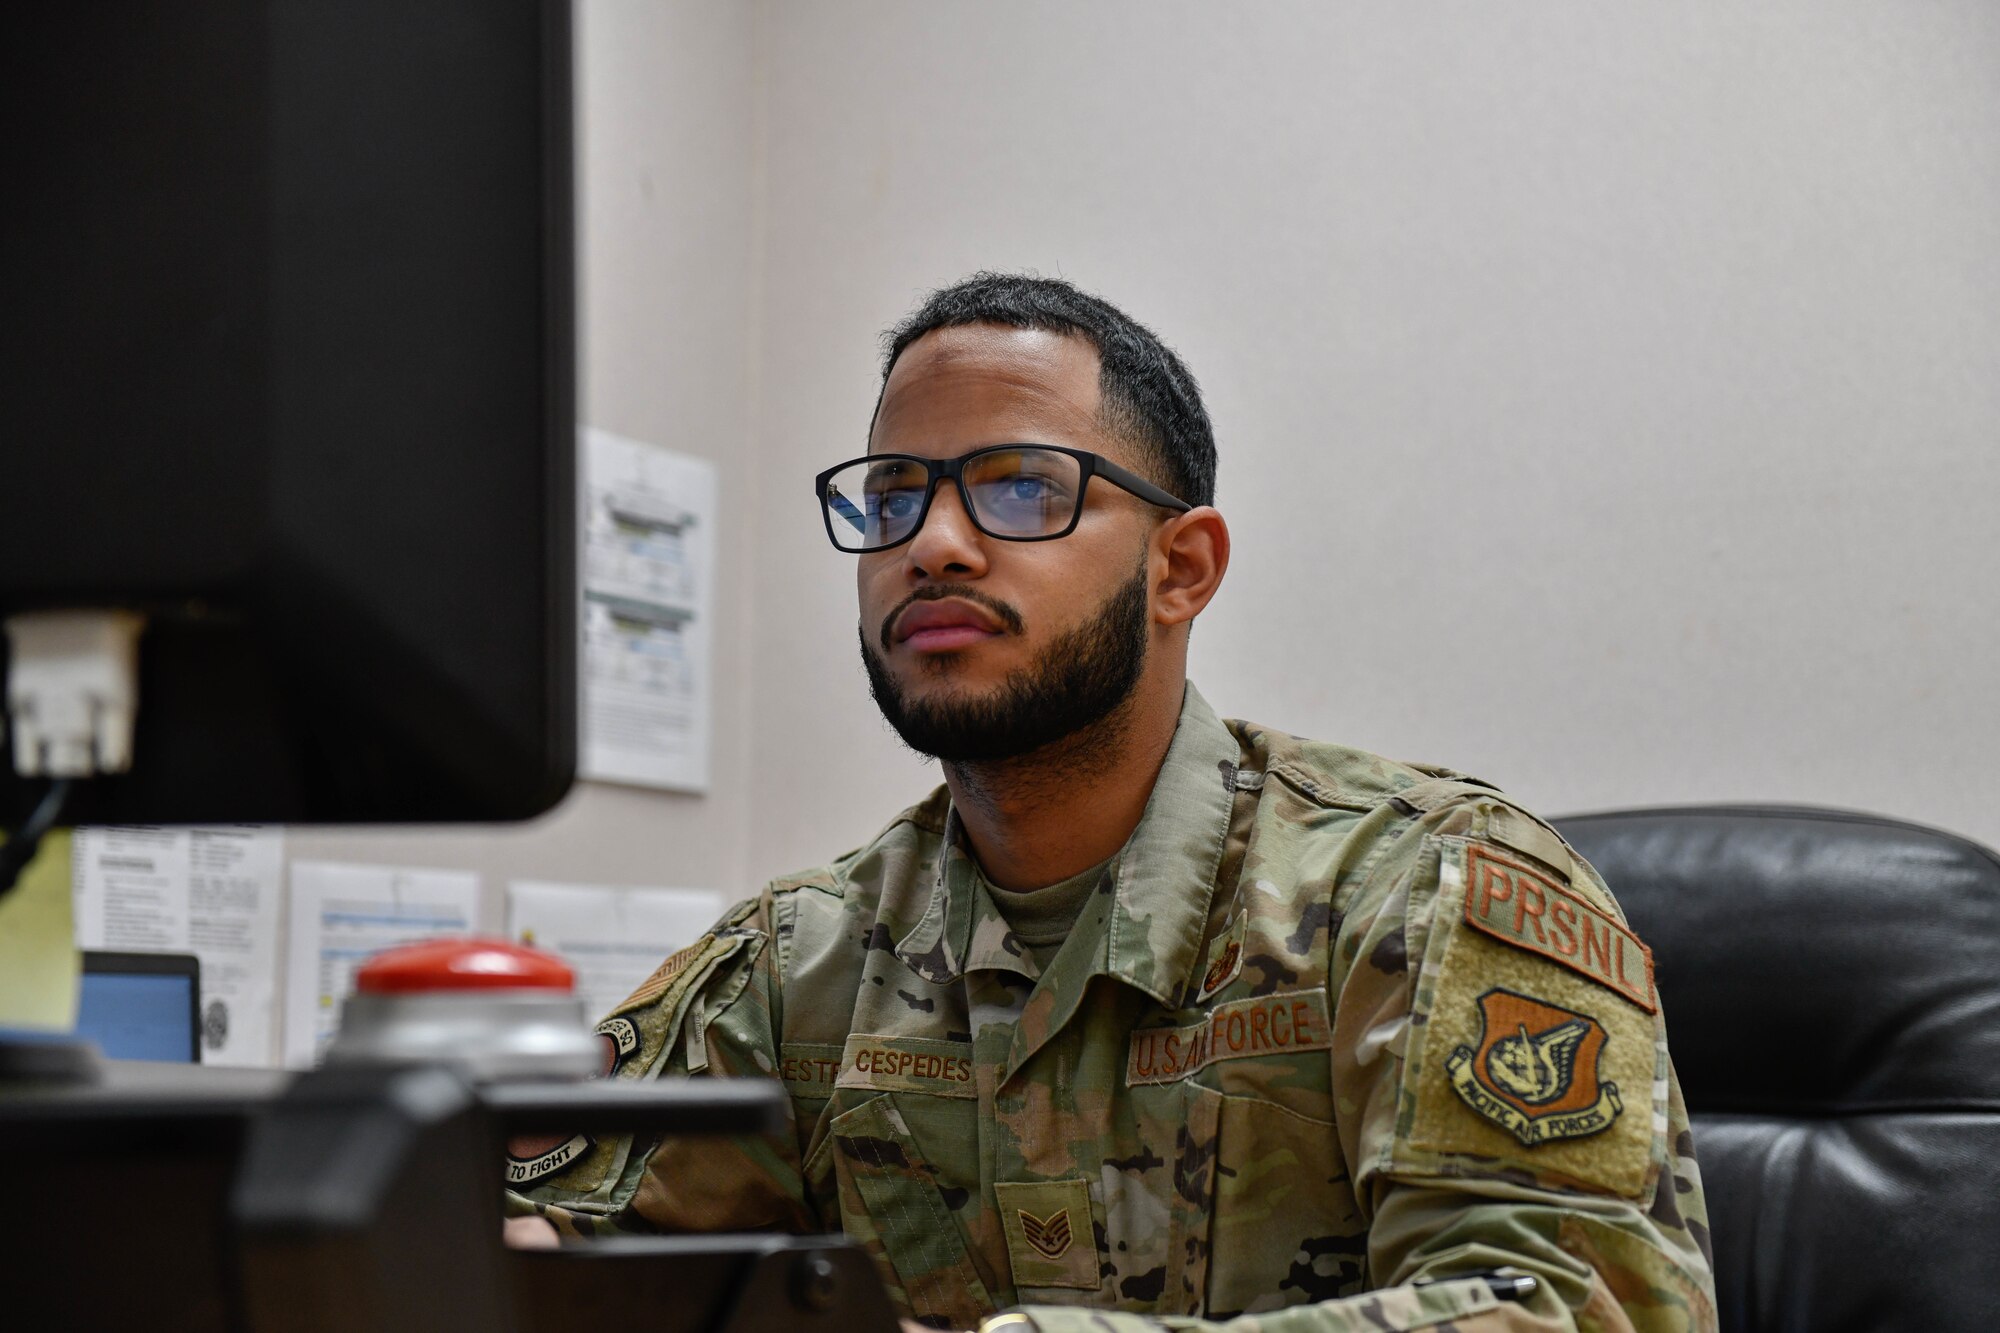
x: 948, y: 545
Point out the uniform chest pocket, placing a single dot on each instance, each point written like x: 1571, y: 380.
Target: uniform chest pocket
x: 892, y: 1202
x: 1284, y: 1228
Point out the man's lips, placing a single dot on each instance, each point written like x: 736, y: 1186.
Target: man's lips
x: 942, y: 626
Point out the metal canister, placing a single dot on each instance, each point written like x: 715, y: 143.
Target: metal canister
x: 489, y: 1008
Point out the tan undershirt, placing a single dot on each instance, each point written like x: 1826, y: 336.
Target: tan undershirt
x: 1041, y: 919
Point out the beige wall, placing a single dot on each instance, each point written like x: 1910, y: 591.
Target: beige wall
x: 1606, y: 395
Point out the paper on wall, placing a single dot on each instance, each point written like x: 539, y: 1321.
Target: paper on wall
x: 38, y: 970
x: 613, y: 937
x: 211, y: 892
x: 343, y: 913
x: 648, y: 535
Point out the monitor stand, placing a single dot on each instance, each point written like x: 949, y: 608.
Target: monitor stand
x: 368, y: 1197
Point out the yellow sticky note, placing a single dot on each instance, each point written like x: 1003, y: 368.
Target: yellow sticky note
x: 38, y: 959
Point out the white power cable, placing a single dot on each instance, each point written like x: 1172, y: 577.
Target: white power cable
x: 73, y: 691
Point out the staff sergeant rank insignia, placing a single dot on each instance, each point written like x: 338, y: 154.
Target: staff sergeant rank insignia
x: 1535, y: 1072
x: 1049, y: 1235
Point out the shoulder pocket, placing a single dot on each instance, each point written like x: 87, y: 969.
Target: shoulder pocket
x: 589, y: 1173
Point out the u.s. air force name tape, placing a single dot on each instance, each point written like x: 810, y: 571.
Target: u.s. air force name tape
x: 1262, y: 1025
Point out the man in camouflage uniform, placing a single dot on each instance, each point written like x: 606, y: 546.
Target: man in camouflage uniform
x: 1146, y: 1018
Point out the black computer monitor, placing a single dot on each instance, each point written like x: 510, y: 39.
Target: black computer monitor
x: 286, y: 364
x: 141, y: 1006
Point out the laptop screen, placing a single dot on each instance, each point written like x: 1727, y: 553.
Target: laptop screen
x: 140, y: 1006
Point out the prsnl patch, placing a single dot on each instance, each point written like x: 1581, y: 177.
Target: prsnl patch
x: 1514, y: 902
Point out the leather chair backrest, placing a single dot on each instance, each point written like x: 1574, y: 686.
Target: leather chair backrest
x: 1832, y: 989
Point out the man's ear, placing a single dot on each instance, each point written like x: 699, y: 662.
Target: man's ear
x: 1190, y: 556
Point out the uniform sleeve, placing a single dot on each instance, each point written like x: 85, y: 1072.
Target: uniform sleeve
x: 709, y: 1010
x: 1506, y: 1101
x: 1513, y: 1101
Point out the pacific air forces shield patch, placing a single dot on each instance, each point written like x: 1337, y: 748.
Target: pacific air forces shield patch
x: 1534, y: 1072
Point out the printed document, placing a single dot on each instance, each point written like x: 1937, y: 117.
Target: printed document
x: 613, y: 937
x: 211, y: 892
x: 648, y: 570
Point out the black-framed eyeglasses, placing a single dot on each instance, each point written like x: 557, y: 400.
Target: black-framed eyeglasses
x: 1016, y: 492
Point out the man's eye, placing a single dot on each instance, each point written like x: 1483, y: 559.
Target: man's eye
x: 899, y: 504
x: 1029, y: 488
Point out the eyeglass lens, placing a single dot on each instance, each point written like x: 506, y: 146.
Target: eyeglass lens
x: 1013, y: 493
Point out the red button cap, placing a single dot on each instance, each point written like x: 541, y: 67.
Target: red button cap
x: 463, y: 964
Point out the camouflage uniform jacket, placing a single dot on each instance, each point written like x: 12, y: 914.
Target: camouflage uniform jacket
x: 1330, y: 1031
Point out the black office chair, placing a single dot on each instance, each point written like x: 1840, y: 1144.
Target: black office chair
x: 1832, y: 987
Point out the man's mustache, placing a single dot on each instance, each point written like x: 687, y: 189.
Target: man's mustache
x: 1009, y: 617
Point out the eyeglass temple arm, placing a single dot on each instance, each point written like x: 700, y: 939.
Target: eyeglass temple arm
x: 1139, y: 486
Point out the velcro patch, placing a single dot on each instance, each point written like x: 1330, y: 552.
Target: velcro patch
x: 908, y: 1064
x: 1050, y: 1239
x: 621, y: 1036
x: 1226, y: 962
x: 653, y: 987
x: 1261, y: 1025
x: 529, y: 1159
x: 1521, y: 1064
x: 1513, y: 902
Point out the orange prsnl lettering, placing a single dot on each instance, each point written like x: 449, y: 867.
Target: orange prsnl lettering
x: 1232, y: 1031
x: 1260, y: 1022
x: 1281, y: 1034
x: 1494, y: 887
x: 1597, y: 948
x: 1559, y: 924
x: 1624, y: 976
x: 1302, y: 1016
x: 1528, y: 907
x: 1562, y: 924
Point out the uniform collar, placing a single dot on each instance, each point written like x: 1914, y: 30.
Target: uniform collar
x: 1164, y: 876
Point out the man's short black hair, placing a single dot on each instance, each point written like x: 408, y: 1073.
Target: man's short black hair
x: 1148, y: 395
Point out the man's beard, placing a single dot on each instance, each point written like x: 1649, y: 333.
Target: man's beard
x: 1075, y: 683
